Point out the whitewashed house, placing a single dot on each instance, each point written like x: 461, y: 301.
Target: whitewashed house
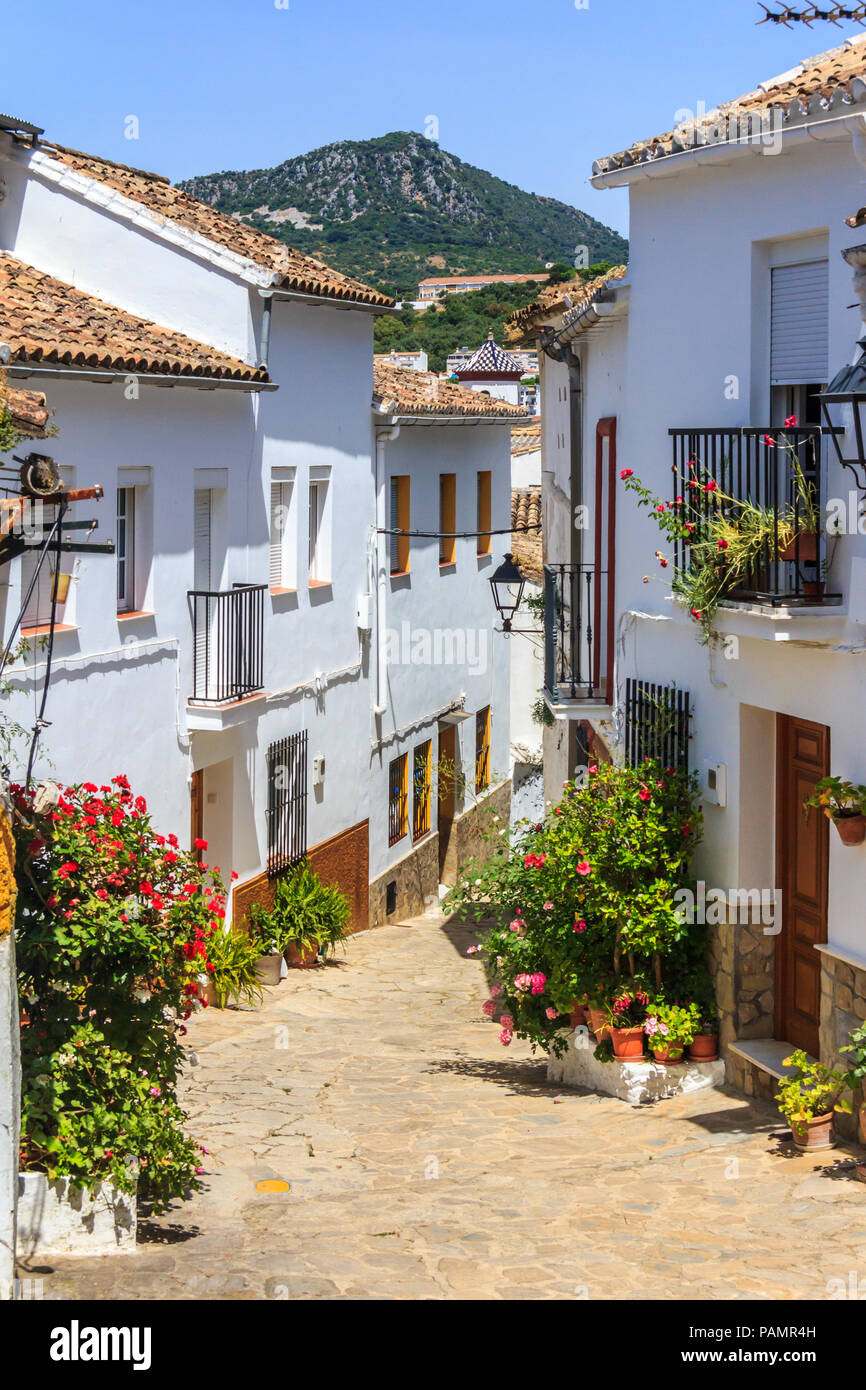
x: 224, y: 659
x: 736, y: 310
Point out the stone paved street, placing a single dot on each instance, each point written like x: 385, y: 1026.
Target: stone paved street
x: 426, y: 1161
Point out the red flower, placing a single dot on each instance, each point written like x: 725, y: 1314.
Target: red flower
x: 711, y: 486
x: 70, y: 867
x: 102, y: 895
x: 199, y: 844
x: 580, y: 926
x: 170, y: 857
x: 583, y: 868
x: 627, y: 473
x: 146, y: 888
x: 645, y: 794
x: 769, y: 441
x: 791, y: 422
x: 723, y: 545
x: 696, y: 613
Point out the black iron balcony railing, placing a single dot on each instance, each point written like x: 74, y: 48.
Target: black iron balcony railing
x: 781, y: 473
x: 575, y: 599
x: 228, y: 642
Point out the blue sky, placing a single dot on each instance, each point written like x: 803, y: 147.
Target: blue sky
x: 532, y: 90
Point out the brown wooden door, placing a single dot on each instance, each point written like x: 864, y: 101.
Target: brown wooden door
x: 802, y: 848
x: 196, y: 808
x: 445, y: 794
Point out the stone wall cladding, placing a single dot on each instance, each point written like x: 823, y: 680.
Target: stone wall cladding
x: 843, y: 1008
x: 742, y: 964
x: 417, y: 873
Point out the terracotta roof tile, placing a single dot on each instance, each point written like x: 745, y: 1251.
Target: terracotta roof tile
x: 551, y: 301
x: 297, y: 272
x: 26, y: 409
x: 818, y: 86
x: 526, y: 439
x: 527, y: 546
x: 45, y: 320
x: 423, y: 393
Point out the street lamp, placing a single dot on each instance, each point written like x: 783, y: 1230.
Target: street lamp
x: 848, y: 387
x: 507, y: 585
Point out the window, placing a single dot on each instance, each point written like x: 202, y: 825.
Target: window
x: 282, y: 570
x: 399, y: 522
x: 657, y: 719
x: 447, y: 517
x: 398, y: 798
x: 484, y: 510
x: 319, y: 524
x: 482, y: 750
x: 421, y: 791
x: 125, y: 548
x: 287, y: 802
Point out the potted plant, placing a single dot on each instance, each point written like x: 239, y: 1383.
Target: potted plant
x: 670, y: 1028
x: 704, y: 1046
x: 264, y: 930
x: 808, y: 1099
x: 628, y: 1013
x: 844, y: 803
x: 234, y: 956
x: 310, y: 918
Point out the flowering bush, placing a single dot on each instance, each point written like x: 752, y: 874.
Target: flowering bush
x: 112, y: 930
x: 584, y: 903
x: 672, y: 1026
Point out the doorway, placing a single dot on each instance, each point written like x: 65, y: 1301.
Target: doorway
x: 446, y: 799
x: 802, y: 853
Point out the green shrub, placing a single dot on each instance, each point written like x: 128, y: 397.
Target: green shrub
x: 307, y: 914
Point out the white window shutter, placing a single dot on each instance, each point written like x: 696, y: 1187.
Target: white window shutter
x: 202, y: 539
x: 278, y: 518
x: 799, y: 324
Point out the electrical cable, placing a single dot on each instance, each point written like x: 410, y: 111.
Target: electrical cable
x: 40, y: 718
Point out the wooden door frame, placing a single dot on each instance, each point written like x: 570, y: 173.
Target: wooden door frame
x: 784, y: 725
x: 605, y: 429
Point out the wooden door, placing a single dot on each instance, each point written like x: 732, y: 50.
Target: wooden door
x: 445, y: 800
x: 802, y: 848
x: 196, y: 809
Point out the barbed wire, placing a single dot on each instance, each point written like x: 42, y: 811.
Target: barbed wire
x: 809, y: 14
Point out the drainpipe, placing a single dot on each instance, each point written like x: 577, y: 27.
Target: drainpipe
x: 383, y: 437
x: 575, y: 402
x: 267, y: 306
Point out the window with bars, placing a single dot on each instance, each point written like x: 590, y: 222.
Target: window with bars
x: 421, y: 776
x: 398, y: 798
x: 287, y: 802
x: 447, y: 518
x: 482, y: 750
x: 657, y: 719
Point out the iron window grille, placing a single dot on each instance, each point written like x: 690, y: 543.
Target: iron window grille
x: 287, y: 802
x: 421, y: 790
x: 657, y: 719
x: 398, y: 799
x: 482, y: 750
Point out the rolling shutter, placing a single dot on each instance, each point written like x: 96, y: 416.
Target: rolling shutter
x: 202, y: 539
x: 277, y: 526
x: 799, y: 313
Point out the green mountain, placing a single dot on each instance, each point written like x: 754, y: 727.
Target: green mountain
x: 397, y: 209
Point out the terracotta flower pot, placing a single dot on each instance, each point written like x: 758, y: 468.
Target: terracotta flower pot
x: 209, y: 994
x: 852, y: 829
x: 669, y: 1056
x: 597, y: 1025
x: 577, y: 1015
x: 704, y: 1048
x: 816, y: 1133
x: 627, y: 1043
x: 297, y: 960
x: 803, y: 547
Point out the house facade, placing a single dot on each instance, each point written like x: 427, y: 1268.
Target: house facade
x: 223, y: 659
x: 737, y: 308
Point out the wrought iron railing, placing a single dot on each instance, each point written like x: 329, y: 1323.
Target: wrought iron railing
x: 575, y: 600
x: 228, y: 642
x: 781, y: 472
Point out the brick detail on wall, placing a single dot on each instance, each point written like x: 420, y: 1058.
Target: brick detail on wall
x: 343, y: 860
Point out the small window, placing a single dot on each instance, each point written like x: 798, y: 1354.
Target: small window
x: 421, y: 791
x: 398, y: 799
x: 125, y: 549
x: 482, y: 750
x: 447, y: 518
x: 320, y: 546
x: 399, y: 523
x: 484, y: 512
x: 281, y: 571
x: 287, y: 802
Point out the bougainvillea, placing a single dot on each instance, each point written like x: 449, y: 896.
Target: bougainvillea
x: 583, y: 904
x: 112, y: 930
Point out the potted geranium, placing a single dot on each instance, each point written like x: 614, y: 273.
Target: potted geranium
x: 704, y: 1046
x: 670, y: 1028
x: 808, y: 1099
x: 844, y: 803
x: 628, y: 1012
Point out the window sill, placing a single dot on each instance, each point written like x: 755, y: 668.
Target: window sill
x: 128, y: 613
x: 44, y: 628
x: 400, y: 574
x: 319, y: 584
x: 278, y: 590
x: 445, y: 565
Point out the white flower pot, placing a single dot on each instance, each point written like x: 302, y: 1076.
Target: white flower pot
x: 56, y: 1218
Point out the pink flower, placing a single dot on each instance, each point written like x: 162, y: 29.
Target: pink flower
x: 505, y: 1037
x: 523, y: 983
x: 551, y: 1013
x: 548, y: 906
x: 580, y: 926
x: 156, y: 1090
x: 538, y: 982
x: 488, y: 1008
x: 516, y: 925
x: 583, y: 868
x: 507, y: 1022
x: 496, y: 990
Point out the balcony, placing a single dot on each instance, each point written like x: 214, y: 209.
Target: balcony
x: 228, y: 644
x: 577, y: 641
x: 781, y: 474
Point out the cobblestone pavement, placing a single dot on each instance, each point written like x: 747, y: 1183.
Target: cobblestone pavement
x: 426, y: 1161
